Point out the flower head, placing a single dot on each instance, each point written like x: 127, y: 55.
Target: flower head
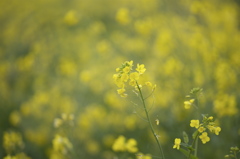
x: 217, y: 130
x: 131, y: 146
x: 134, y: 76
x: 177, y: 143
x: 141, y: 68
x: 194, y: 123
x: 188, y: 104
x: 204, y: 137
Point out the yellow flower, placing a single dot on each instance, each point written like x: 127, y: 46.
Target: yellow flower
x: 126, y: 69
x: 115, y: 77
x: 204, y: 137
x: 124, y: 77
x: 188, y: 104
x: 210, y: 118
x: 134, y: 76
x: 177, y: 143
x: 217, y: 130
x: 119, y: 144
x: 194, y: 123
x: 129, y: 63
x: 140, y: 68
x: 119, y: 83
x: 132, y: 83
x: 131, y: 146
x: 201, y: 129
x: 211, y: 128
x: 149, y: 84
x: 121, y: 92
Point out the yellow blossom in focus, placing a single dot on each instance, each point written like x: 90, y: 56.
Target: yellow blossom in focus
x: 177, y: 143
x: 201, y: 129
x: 194, y: 123
x: 141, y: 68
x: 204, y: 137
x: 217, y: 130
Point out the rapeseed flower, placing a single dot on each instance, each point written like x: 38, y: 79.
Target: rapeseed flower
x: 141, y: 68
x: 188, y: 104
x: 194, y: 123
x: 177, y: 143
x: 119, y: 144
x: 134, y: 76
x: 122, y: 145
x: 204, y: 137
x: 131, y: 146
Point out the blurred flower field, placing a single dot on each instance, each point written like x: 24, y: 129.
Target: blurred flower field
x: 58, y: 99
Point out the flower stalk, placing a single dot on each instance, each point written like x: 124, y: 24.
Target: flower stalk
x: 149, y: 121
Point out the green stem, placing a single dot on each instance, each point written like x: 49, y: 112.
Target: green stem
x: 195, y: 141
x: 196, y: 147
x: 149, y: 121
x: 235, y: 154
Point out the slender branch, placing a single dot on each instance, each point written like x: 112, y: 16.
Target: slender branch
x: 195, y: 140
x: 149, y: 121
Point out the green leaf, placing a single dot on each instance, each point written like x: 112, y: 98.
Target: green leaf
x: 186, y: 153
x: 185, y: 137
x: 195, y: 134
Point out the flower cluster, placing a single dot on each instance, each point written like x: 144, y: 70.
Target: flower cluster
x: 122, y: 145
x: 207, y: 123
x: 233, y: 152
x: 13, y: 144
x: 126, y: 74
x: 61, y: 144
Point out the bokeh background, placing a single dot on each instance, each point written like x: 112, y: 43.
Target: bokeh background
x: 58, y: 56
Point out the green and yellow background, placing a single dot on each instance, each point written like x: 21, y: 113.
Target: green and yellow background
x: 59, y: 56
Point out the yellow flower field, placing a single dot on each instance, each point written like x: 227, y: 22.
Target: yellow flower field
x: 124, y: 79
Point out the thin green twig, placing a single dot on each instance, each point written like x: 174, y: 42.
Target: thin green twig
x: 149, y: 121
